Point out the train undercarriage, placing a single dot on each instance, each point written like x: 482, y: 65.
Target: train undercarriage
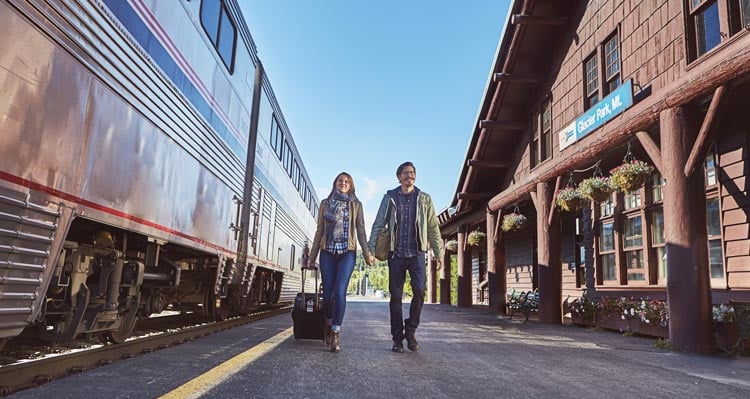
x: 106, y: 279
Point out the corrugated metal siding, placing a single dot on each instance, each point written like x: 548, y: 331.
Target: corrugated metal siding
x: 27, y: 231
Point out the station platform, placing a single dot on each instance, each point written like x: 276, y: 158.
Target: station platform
x: 465, y: 353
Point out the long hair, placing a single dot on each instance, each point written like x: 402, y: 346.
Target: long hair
x: 351, y: 183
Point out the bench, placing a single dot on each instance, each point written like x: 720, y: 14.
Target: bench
x: 523, y: 302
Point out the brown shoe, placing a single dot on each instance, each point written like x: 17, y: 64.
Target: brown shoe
x: 327, y: 334
x: 335, y: 342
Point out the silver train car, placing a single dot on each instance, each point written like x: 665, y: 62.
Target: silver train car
x: 126, y: 131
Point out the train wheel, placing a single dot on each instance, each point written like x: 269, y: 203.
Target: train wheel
x: 218, y: 310
x: 126, y: 328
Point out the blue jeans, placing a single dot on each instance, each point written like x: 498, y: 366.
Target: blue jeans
x: 336, y: 270
x: 397, y: 268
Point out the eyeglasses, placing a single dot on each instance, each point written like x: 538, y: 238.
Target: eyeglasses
x: 409, y: 172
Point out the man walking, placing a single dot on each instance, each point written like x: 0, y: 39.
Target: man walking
x: 409, y: 215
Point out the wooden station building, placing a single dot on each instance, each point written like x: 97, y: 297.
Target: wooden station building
x: 580, y: 84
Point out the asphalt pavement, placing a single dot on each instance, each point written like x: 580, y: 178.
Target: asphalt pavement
x: 465, y: 353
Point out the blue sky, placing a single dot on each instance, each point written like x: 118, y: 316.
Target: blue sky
x: 366, y: 85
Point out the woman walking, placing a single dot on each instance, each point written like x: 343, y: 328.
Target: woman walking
x: 341, y: 224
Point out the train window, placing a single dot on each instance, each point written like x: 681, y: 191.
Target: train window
x: 288, y: 159
x: 295, y: 174
x: 292, y: 260
x: 220, y: 29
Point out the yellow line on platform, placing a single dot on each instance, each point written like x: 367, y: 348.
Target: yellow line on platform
x: 204, y: 382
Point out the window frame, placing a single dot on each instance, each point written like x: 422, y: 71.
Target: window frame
x: 731, y: 22
x: 540, y: 146
x: 215, y: 38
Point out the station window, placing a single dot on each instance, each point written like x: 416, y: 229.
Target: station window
x: 611, y: 64
x: 607, y: 252
x: 540, y: 148
x: 710, y: 22
x: 609, y: 53
x: 591, y: 79
x: 220, y: 28
x: 627, y: 255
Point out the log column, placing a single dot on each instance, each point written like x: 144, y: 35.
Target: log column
x: 495, y: 266
x: 445, y: 279
x: 688, y: 282
x: 464, y: 269
x: 431, y: 278
x: 549, y: 264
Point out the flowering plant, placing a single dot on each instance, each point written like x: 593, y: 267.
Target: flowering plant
x: 569, y: 199
x: 631, y: 175
x: 475, y: 237
x: 513, y: 222
x: 451, y: 245
x: 648, y: 311
x: 583, y: 307
x: 723, y: 313
x: 596, y: 188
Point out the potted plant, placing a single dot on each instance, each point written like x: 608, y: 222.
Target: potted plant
x: 726, y: 333
x: 582, y: 311
x: 513, y: 222
x: 631, y: 175
x: 451, y: 246
x: 475, y: 238
x: 597, y: 188
x: 569, y: 199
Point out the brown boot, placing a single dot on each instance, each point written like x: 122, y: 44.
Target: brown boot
x: 335, y: 342
x: 327, y: 334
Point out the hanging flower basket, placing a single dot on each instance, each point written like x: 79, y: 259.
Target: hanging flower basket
x: 451, y: 246
x: 513, y: 222
x: 597, y: 188
x: 475, y: 238
x: 631, y: 175
x: 569, y: 199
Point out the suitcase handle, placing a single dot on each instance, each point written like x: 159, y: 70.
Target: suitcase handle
x: 304, y: 273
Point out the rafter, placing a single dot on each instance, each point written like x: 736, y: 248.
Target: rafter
x: 502, y: 125
x: 477, y: 163
x: 522, y: 19
x: 517, y: 78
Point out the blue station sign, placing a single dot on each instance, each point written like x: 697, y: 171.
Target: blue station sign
x: 609, y: 107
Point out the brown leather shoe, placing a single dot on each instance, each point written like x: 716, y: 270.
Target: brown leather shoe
x: 327, y: 334
x: 335, y: 342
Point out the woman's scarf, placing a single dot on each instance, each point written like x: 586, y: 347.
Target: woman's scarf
x: 337, y: 203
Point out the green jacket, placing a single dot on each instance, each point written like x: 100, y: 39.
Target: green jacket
x: 428, y: 230
x: 356, y: 226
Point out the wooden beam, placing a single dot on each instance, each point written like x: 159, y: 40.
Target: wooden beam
x: 533, y: 200
x: 479, y: 196
x: 552, y: 207
x: 487, y: 164
x: 522, y: 19
x: 651, y: 149
x: 503, y: 125
x: 517, y: 78
x: 698, y: 152
x: 498, y: 224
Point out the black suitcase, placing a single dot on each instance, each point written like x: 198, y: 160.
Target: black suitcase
x: 307, y: 315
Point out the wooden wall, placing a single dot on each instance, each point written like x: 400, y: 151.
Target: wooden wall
x: 734, y: 180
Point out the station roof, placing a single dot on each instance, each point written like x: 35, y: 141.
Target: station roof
x: 526, y: 57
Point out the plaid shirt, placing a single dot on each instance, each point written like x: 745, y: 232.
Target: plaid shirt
x: 340, y: 247
x: 406, y: 234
